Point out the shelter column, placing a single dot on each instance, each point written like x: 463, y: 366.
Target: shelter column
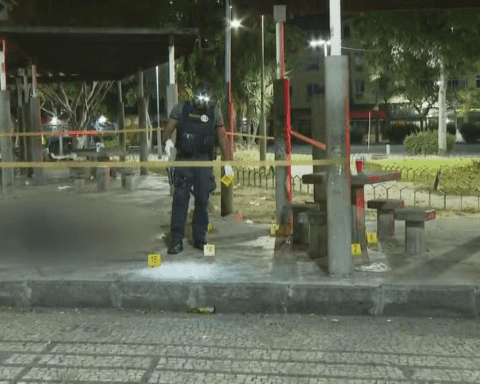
x: 142, y: 124
x: 226, y: 197
x: 6, y: 127
x: 337, y: 115
x: 36, y: 141
x: 172, y: 94
x: 121, y: 122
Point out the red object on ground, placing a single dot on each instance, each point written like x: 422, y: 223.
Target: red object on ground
x: 359, y: 165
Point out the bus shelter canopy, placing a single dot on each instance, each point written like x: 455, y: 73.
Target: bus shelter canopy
x: 91, y: 54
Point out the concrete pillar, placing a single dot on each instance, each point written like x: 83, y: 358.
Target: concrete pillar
x: 6, y: 145
x: 319, y: 234
x: 319, y: 133
x: 142, y: 124
x: 280, y: 152
x: 339, y: 215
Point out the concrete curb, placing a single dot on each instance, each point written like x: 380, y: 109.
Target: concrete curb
x: 323, y: 299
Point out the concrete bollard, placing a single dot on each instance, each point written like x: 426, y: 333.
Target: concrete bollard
x: 388, y: 149
x: 79, y: 183
x: 129, y: 182
x: 103, y: 178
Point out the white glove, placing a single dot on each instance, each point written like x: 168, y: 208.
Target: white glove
x: 168, y: 147
x: 229, y: 171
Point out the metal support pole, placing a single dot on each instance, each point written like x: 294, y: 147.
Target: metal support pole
x: 121, y: 122
x: 6, y: 145
x: 36, y: 126
x: 263, y: 122
x: 226, y: 197
x: 159, y: 130
x: 20, y: 117
x: 142, y: 124
x: 282, y: 144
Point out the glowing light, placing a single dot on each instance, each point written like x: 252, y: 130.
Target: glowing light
x: 102, y: 120
x: 236, y: 24
x: 54, y: 121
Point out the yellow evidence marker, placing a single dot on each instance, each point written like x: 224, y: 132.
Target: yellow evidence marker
x: 356, y: 249
x: 209, y: 250
x: 273, y: 230
x: 154, y: 260
x: 210, y: 228
x: 227, y: 180
x: 372, y: 238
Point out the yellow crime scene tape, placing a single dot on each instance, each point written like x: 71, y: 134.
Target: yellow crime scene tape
x: 165, y: 164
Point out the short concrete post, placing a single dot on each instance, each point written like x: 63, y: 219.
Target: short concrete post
x: 385, y: 224
x: 301, y: 229
x: 414, y: 237
x: 6, y: 145
x: 103, y: 178
x: 79, y: 183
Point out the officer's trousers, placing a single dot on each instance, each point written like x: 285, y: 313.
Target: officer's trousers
x: 200, y: 182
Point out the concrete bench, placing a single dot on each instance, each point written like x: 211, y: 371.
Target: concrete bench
x: 415, y: 219
x: 316, y: 222
x: 385, y: 216
x: 301, y: 228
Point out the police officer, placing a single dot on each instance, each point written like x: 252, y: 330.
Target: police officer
x: 198, y: 124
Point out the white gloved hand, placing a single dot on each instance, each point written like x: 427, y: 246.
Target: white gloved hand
x: 168, y: 147
x: 229, y: 171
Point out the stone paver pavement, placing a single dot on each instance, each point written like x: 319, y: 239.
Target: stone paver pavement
x: 112, y: 346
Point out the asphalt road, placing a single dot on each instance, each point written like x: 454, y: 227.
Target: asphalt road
x: 106, y: 346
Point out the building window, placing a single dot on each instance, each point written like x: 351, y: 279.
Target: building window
x: 478, y: 81
x: 453, y: 83
x: 359, y: 86
x: 314, y: 89
x: 358, y: 61
x: 313, y: 60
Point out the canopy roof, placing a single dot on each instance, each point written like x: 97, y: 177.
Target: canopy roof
x: 303, y: 7
x: 68, y: 54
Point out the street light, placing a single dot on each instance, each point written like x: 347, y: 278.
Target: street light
x: 318, y: 43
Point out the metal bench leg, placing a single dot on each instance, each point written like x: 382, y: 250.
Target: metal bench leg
x: 385, y: 224
x: 414, y: 237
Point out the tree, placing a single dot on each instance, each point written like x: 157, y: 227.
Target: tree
x: 75, y: 103
x: 420, y: 50
x: 469, y: 100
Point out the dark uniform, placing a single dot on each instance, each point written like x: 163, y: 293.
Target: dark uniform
x: 195, y: 140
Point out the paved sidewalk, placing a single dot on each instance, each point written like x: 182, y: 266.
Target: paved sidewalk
x: 152, y: 347
x: 61, y: 248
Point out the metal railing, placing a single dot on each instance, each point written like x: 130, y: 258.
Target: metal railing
x: 416, y: 188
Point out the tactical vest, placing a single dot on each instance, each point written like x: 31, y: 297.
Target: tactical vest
x: 195, y: 133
